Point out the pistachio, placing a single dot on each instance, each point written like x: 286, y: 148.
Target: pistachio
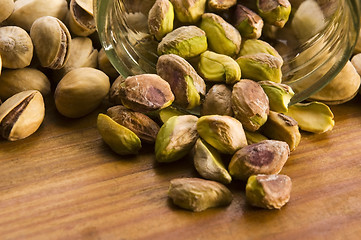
x: 187, y: 86
x: 208, y: 163
x: 268, y: 191
x: 189, y: 11
x: 7, y: 8
x: 81, y: 91
x: 143, y: 126
x: 186, y: 41
x: 21, y: 115
x: 218, y: 101
x: 313, y: 117
x: 222, y: 37
x: 283, y: 128
x: 356, y: 62
x: 216, y: 67
x: 176, y: 138
x: 250, y: 104
x: 247, y: 22
x: 254, y: 46
x: 220, y: 5
x: 265, y: 157
x: 145, y: 93
x: 81, y: 21
x: 114, y: 92
x: 171, y: 111
x: 275, y: 12
x: 254, y: 137
x: 198, y: 194
x: 260, y: 67
x: 119, y: 138
x: 224, y: 133
x: 52, y: 41
x: 16, y: 47
x: 105, y: 65
x: 13, y: 81
x: 160, y: 18
x: 279, y: 95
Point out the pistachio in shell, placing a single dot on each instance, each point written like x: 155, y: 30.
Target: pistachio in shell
x: 7, y: 8
x: 254, y: 137
x: 160, y: 18
x: 81, y: 91
x: 220, y: 5
x: 52, y: 41
x: 197, y: 194
x: 21, y: 115
x: 247, y: 22
x: 254, y: 46
x: 279, y: 95
x: 16, y: 47
x: 218, y: 101
x: 119, y: 138
x: 176, y: 138
x: 222, y: 37
x: 265, y: 157
x: 356, y: 62
x: 275, y: 12
x: 189, y: 11
x: 186, y: 42
x: 81, y: 20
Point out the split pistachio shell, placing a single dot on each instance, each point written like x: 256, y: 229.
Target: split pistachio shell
x: 218, y: 101
x: 254, y: 137
x: 197, y: 194
x: 16, y: 47
x: 313, y: 117
x: 13, y: 81
x: 186, y: 41
x: 254, y: 46
x: 105, y: 65
x: 52, y: 41
x: 222, y: 37
x: 176, y: 138
x: 189, y: 11
x: 86, y: 5
x: 7, y: 8
x: 268, y: 191
x: 208, y: 163
x: 275, y: 12
x: 168, y: 112
x: 160, y: 18
x: 81, y: 91
x: 247, y: 22
x: 21, y: 115
x: 220, y: 5
x: 216, y: 67
x: 224, y: 133
x: 279, y: 95
x: 81, y: 22
x: 119, y: 138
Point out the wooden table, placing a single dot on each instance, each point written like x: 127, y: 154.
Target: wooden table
x: 63, y: 182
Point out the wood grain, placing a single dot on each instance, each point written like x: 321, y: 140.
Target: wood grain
x: 63, y: 182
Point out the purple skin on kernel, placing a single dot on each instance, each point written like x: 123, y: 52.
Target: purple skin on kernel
x: 260, y: 157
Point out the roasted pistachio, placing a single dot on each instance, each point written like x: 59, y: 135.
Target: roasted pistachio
x: 160, y: 18
x: 81, y: 91
x: 224, y: 133
x: 176, y: 138
x: 265, y: 157
x: 7, y: 8
x: 81, y: 20
x: 186, y: 41
x: 268, y: 191
x: 222, y: 37
x: 16, y: 47
x: 119, y: 138
x: 219, y: 68
x: 279, y: 95
x: 254, y: 137
x: 247, y: 22
x: 275, y: 12
x: 105, y: 65
x: 254, y: 46
x: 21, y: 115
x: 218, y: 101
x: 198, y: 194
x: 189, y: 11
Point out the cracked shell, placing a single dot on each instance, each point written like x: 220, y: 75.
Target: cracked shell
x: 81, y: 21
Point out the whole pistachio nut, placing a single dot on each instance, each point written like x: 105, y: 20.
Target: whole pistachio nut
x: 218, y: 101
x: 254, y: 46
x: 81, y: 21
x: 52, y: 41
x: 265, y: 157
x: 7, y: 8
x: 143, y: 126
x: 313, y: 117
x: 197, y: 194
x: 217, y: 67
x: 222, y: 37
x: 160, y: 18
x: 16, y: 47
x: 114, y: 92
x: 254, y: 137
x: 247, y: 22
x: 224, y: 133
x: 187, y: 86
x: 261, y: 67
x: 13, y: 81
x: 186, y: 41
x: 171, y: 111
x: 21, y: 115
x: 356, y: 62
x: 250, y: 104
x: 27, y: 11
x: 208, y: 163
x: 275, y: 12
x: 81, y: 91
x: 279, y: 95
x: 119, y: 138
x: 268, y: 191
x: 220, y: 5
x: 176, y: 138
x: 145, y: 93
x: 189, y: 11
x: 283, y: 128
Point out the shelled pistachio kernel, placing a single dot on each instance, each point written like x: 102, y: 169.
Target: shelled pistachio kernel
x: 197, y: 194
x: 176, y: 138
x: 265, y: 157
x: 279, y: 95
x: 254, y: 46
x: 218, y: 101
x: 160, y: 18
x: 247, y: 22
x: 220, y: 5
x: 21, y: 115
x: 189, y: 11
x: 171, y: 111
x: 81, y: 19
x: 224, y: 133
x: 268, y: 191
x: 275, y: 12
x: 119, y: 138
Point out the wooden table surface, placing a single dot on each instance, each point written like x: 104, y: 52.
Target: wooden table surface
x: 63, y: 182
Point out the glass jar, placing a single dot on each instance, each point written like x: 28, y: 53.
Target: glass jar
x: 314, y: 50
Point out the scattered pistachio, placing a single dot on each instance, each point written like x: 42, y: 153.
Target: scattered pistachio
x: 279, y: 95
x: 218, y: 101
x: 275, y: 12
x: 160, y: 18
x: 220, y: 5
x: 81, y: 20
x: 168, y: 112
x: 254, y: 137
x: 247, y: 22
x: 7, y: 8
x: 254, y: 46
x: 189, y: 11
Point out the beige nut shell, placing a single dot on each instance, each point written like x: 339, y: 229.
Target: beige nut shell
x: 7, y: 8
x: 81, y: 21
